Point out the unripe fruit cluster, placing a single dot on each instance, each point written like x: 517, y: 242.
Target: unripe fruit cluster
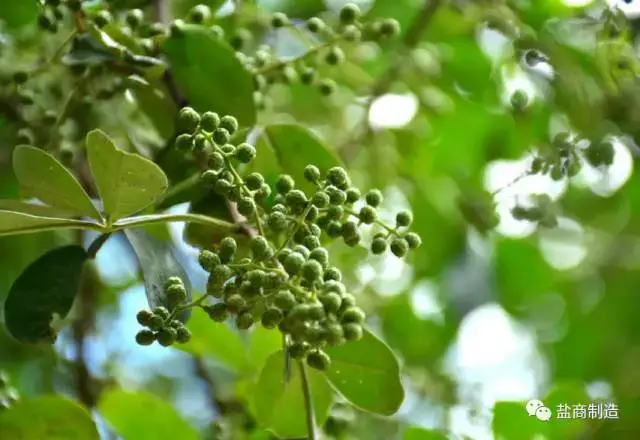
x: 542, y: 211
x: 159, y: 322
x: 560, y: 160
x: 52, y: 13
x: 8, y: 394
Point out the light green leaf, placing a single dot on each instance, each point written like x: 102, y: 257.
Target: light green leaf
x: 41, y: 176
x: 47, y: 418
x: 289, y: 148
x: 262, y: 344
x: 12, y: 223
x: 215, y: 340
x: 209, y: 75
x: 158, y: 263
x: 280, y: 407
x: 138, y: 415
x: 127, y: 182
x: 47, y: 287
x: 417, y: 433
x: 17, y: 13
x: 156, y: 103
x: 34, y: 209
x: 512, y: 422
x: 367, y: 374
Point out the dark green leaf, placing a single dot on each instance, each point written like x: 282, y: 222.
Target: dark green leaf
x: 12, y: 223
x: 156, y: 103
x: 280, y: 406
x: 34, y: 209
x: 158, y: 263
x: 127, y: 182
x: 143, y: 416
x: 289, y: 148
x: 262, y: 344
x: 46, y: 287
x: 215, y: 340
x: 17, y: 13
x: 512, y: 422
x: 417, y: 433
x: 199, y: 60
x: 47, y: 418
x: 367, y: 374
x: 41, y: 176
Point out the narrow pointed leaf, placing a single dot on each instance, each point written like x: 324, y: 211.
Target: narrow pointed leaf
x: 158, y: 263
x: 41, y: 176
x: 280, y: 406
x: 12, y: 223
x: 127, y: 182
x: 47, y: 418
x: 46, y: 287
x: 366, y: 372
x: 143, y: 416
x: 199, y: 59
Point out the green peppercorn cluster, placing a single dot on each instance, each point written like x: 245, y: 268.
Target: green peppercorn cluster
x: 160, y: 323
x: 305, y: 69
x: 479, y: 210
x: 8, y: 394
x: 52, y: 13
x: 542, y: 211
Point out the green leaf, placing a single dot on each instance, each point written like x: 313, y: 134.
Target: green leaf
x: 85, y: 50
x: 262, y: 344
x: 41, y: 176
x: 280, y: 407
x: 199, y: 60
x: 47, y: 418
x: 143, y: 416
x: 46, y: 287
x: 367, y: 374
x: 289, y: 148
x: 156, y: 103
x: 569, y: 393
x: 12, y: 223
x: 158, y: 263
x: 17, y: 13
x: 417, y: 433
x: 34, y: 209
x: 127, y: 182
x: 215, y: 340
x: 512, y: 422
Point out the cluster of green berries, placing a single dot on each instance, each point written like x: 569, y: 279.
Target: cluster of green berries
x: 135, y: 24
x: 159, y: 322
x: 294, y: 289
x: 543, y: 212
x: 53, y: 12
x: 8, y: 394
x: 479, y: 210
x: 559, y: 161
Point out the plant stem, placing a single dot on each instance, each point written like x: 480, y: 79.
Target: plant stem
x: 308, y: 404
x: 168, y: 218
x: 97, y: 244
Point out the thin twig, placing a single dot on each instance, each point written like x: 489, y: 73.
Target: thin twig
x: 308, y: 404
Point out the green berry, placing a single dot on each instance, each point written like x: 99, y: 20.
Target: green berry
x: 188, y: 120
x: 519, y: 100
x: 302, y: 250
x: 183, y: 335
x: 176, y: 28
x: 284, y: 184
x: 352, y: 331
x: 279, y: 20
x: 349, y: 13
x: 156, y: 322
x: 228, y: 149
x: 352, y: 314
x: 321, y: 255
x: 311, y: 242
x: 351, y: 33
x: 373, y: 198
x: 167, y: 336
x: 333, y: 334
x: 334, y: 229
x: 327, y: 86
x: 184, y: 142
x: 367, y: 214
x: 337, y: 176
x: 209, y: 121
x: 177, y: 292
x: 315, y: 25
x: 331, y: 302
x: 244, y: 321
x: 349, y: 229
x: 295, y: 199
x: 399, y: 247
x: 293, y: 263
x: 308, y: 75
x: 403, y: 219
x: 200, y: 14
x: 353, y: 195
x: 134, y: 17
x: 145, y: 337
x: 221, y: 136
x: 336, y: 195
x: 389, y: 28
x: 332, y: 274
x: 246, y: 206
x: 20, y: 77
x: 319, y: 360
x: 283, y: 253
x: 227, y: 249
x: 263, y: 193
x: 277, y: 221
x: 235, y: 303
x: 208, y: 260
x: 298, y: 350
x: 284, y: 300
x: 320, y: 199
x: 413, y: 240
x: 218, y: 312
x: 260, y: 248
x: 199, y: 142
x: 223, y: 187
x: 144, y: 317
x: 245, y: 153
x: 311, y: 270
x: 161, y: 312
x: 240, y: 39
x: 45, y: 22
x: 271, y: 318
x: 229, y: 123
x: 334, y: 56
x: 254, y: 181
x: 378, y: 246
x: 216, y: 161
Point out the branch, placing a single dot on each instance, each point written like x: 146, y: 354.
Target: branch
x: 308, y: 404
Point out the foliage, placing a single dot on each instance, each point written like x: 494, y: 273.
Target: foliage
x: 256, y: 129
